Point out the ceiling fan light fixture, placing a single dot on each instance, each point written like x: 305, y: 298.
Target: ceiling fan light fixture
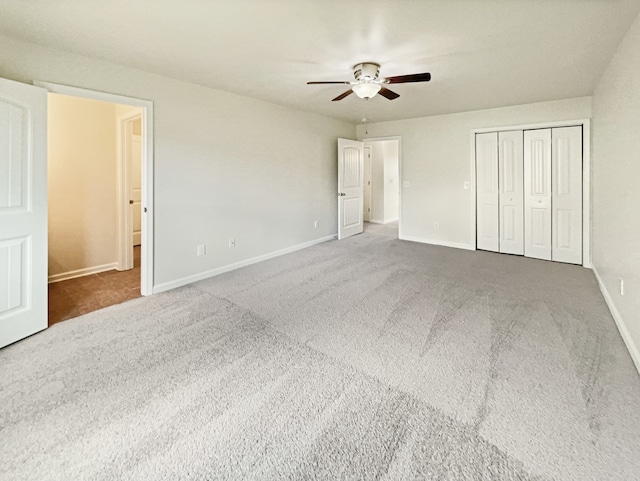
x: 366, y: 90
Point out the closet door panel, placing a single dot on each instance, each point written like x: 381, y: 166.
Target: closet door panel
x: 537, y: 193
x: 566, y: 217
x: 511, y: 192
x: 487, y: 191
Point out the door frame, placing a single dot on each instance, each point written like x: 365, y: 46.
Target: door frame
x: 146, y: 277
x: 586, y: 176
x: 123, y: 214
x: 367, y: 140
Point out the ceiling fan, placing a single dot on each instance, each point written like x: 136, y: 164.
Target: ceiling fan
x: 367, y: 83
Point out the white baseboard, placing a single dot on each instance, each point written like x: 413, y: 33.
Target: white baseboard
x: 438, y: 242
x: 236, y: 265
x: 624, y: 332
x: 82, y: 272
x: 383, y: 221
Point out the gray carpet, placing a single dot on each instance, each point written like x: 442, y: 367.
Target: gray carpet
x: 367, y: 358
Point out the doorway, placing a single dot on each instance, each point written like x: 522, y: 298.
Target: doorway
x: 382, y: 187
x: 100, y: 248
x: 369, y: 174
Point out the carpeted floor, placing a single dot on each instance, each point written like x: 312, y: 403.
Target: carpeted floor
x: 367, y: 358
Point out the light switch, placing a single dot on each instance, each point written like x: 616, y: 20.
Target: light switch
x: 466, y: 186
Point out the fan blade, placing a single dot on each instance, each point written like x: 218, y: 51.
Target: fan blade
x: 341, y: 96
x: 388, y: 94
x: 333, y: 82
x: 403, y: 79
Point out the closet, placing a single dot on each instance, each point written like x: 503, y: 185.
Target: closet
x: 529, y: 193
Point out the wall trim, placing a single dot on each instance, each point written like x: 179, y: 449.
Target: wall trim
x: 63, y: 276
x: 622, y: 327
x: 237, y: 265
x: 371, y: 221
x: 438, y: 242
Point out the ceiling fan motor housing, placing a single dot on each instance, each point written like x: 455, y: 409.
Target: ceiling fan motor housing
x: 366, y: 71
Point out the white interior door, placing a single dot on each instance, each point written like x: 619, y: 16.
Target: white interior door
x: 487, y: 191
x: 537, y: 193
x: 23, y: 211
x: 135, y: 187
x: 511, y: 198
x: 350, y: 191
x: 567, y: 195
x: 366, y: 210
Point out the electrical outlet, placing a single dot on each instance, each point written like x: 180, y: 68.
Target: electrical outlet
x: 621, y: 286
x: 316, y: 224
x: 466, y: 186
x: 232, y: 242
x: 201, y: 250
x: 436, y: 225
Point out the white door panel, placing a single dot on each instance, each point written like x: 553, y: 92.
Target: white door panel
x: 350, y: 187
x: 135, y: 195
x: 487, y: 191
x: 23, y: 210
x: 567, y: 195
x: 537, y: 193
x: 511, y: 196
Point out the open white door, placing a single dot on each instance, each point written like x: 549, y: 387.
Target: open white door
x: 23, y: 211
x: 350, y: 189
x: 135, y: 188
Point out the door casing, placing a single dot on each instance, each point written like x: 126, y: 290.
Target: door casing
x: 146, y: 278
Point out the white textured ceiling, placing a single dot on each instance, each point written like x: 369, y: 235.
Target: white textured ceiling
x: 481, y: 53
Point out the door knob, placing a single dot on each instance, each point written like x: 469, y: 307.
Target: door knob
x: 130, y: 202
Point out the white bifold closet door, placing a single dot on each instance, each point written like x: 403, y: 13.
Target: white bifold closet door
x: 566, y: 222
x: 553, y: 194
x: 537, y: 193
x: 529, y: 193
x: 487, y: 191
x: 510, y: 199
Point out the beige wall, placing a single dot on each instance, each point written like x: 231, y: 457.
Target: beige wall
x: 616, y: 179
x: 225, y: 165
x: 436, y: 161
x: 82, y: 184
